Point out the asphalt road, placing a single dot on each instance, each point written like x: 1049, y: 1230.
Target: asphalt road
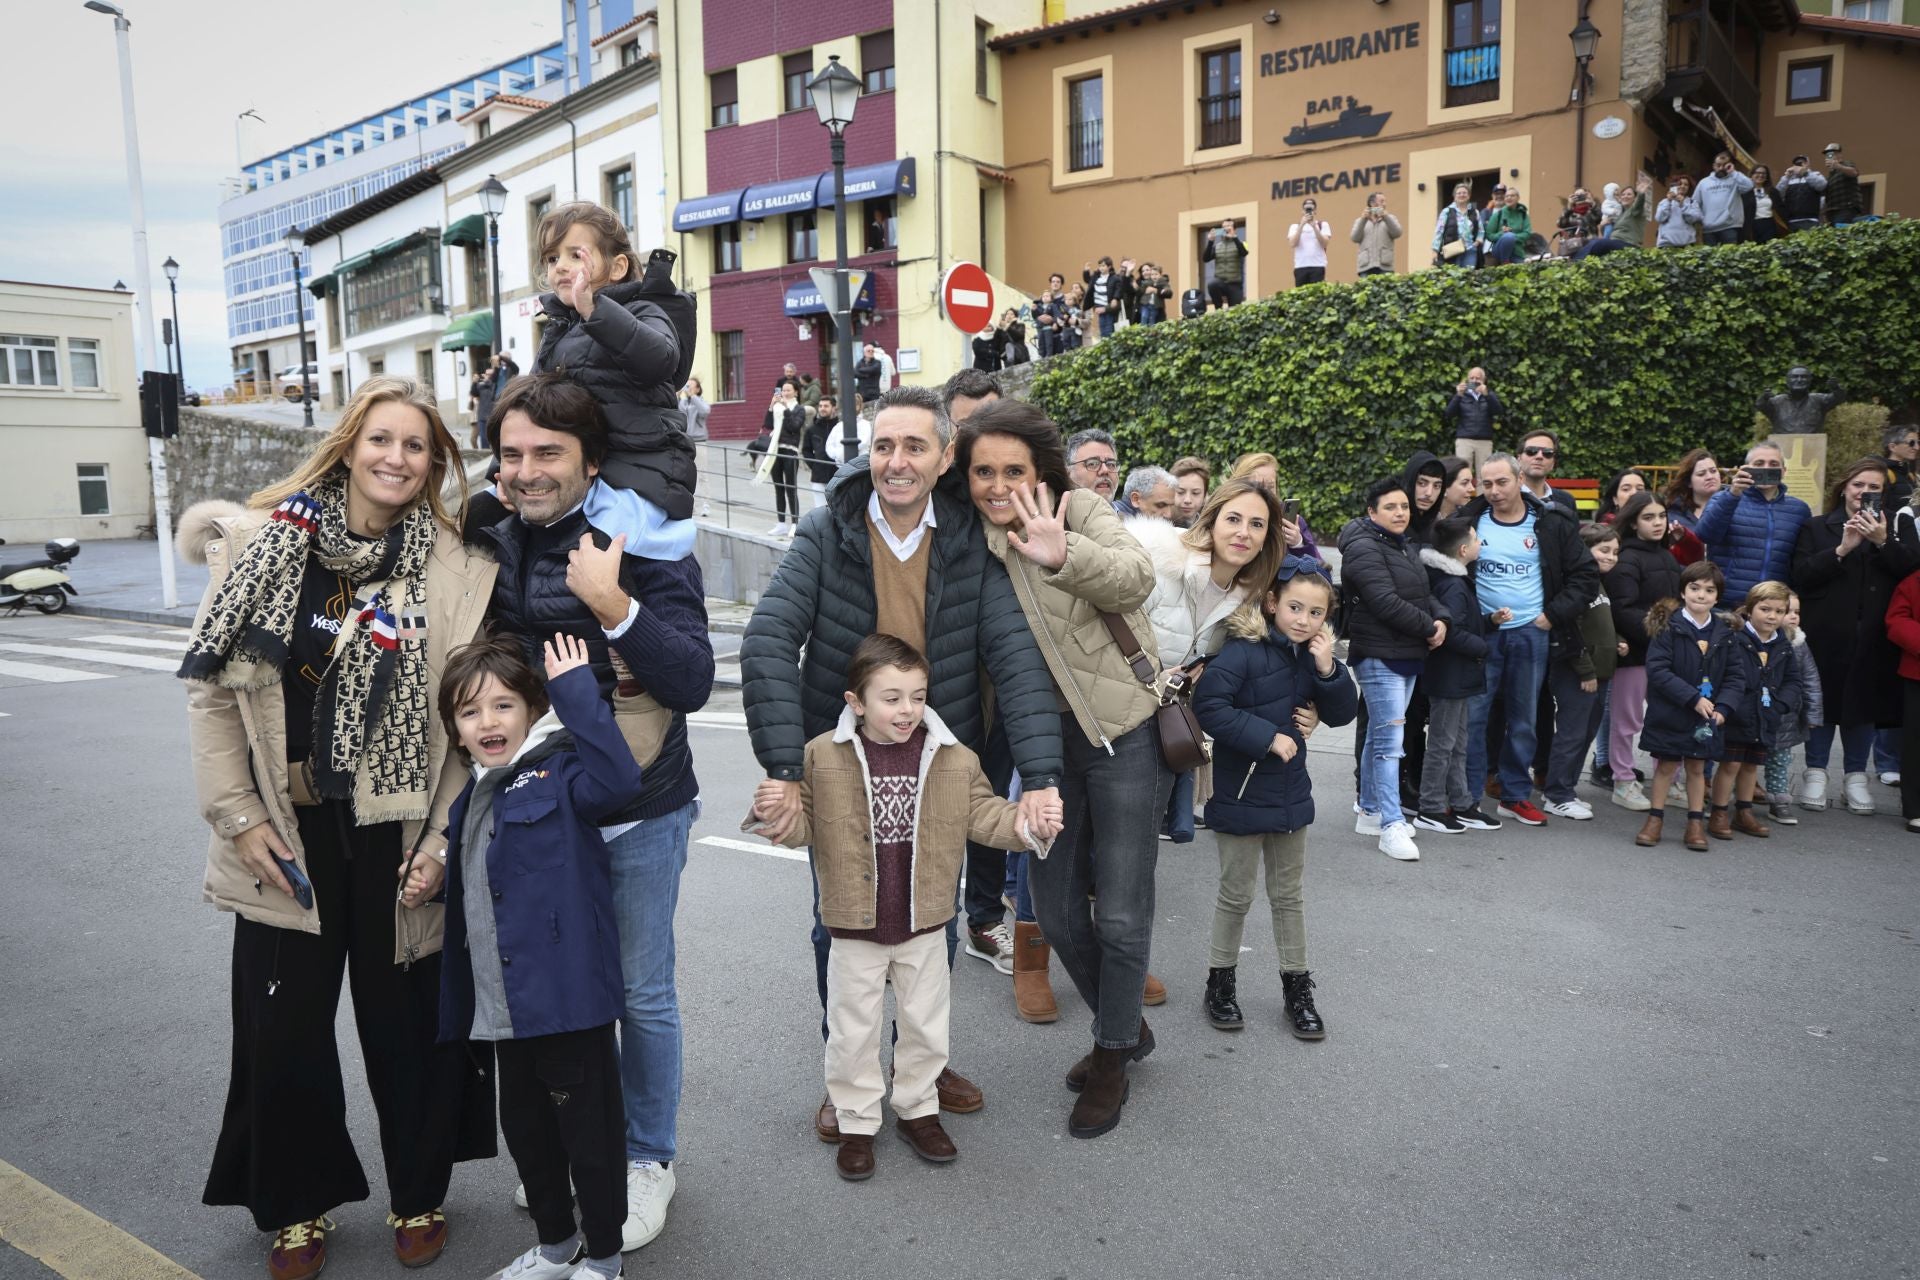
x: 1551, y: 1053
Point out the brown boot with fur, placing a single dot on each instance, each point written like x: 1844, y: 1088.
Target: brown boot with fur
x: 1032, y: 989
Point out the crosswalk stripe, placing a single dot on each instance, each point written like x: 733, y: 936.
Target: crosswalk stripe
x: 140, y: 660
x: 48, y: 675
x: 138, y: 642
x: 771, y: 850
x: 717, y: 720
x: 71, y: 1241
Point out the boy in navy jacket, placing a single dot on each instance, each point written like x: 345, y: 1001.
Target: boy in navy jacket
x: 532, y: 958
x: 1455, y: 674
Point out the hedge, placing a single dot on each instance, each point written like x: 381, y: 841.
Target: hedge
x: 1632, y: 357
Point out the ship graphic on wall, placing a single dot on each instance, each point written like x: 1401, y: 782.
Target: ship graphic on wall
x: 1355, y: 121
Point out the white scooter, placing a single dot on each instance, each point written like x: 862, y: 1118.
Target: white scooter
x: 41, y: 583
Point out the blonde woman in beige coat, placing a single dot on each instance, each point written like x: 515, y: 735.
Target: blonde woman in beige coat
x: 322, y: 766
x: 1070, y: 562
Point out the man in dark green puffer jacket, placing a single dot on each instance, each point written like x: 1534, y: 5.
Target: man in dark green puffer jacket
x: 822, y: 600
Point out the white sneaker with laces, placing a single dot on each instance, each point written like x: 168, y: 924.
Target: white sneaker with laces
x: 533, y: 1265
x: 994, y: 945
x: 1367, y: 824
x: 1629, y: 795
x: 1396, y: 842
x: 1578, y: 810
x: 649, y: 1191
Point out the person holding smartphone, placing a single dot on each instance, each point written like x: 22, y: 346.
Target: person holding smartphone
x: 1227, y: 250
x: 1845, y: 567
x: 1750, y: 526
x: 1800, y: 192
x: 1309, y: 238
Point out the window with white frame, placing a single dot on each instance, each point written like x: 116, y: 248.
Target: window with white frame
x: 83, y: 363
x: 95, y: 499
x: 29, y: 361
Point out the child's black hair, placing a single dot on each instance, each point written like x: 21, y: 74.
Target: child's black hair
x: 1449, y: 535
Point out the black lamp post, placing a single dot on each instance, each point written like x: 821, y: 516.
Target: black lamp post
x: 172, y: 269
x: 493, y: 201
x: 1586, y: 38
x: 835, y: 92
x: 296, y: 241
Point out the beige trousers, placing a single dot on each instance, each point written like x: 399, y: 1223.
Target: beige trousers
x: 1474, y: 451
x: 857, y: 976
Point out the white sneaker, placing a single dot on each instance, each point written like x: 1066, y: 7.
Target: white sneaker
x: 778, y: 531
x: 520, y: 1194
x: 649, y: 1192
x: 1578, y: 810
x: 1628, y: 795
x: 1677, y: 793
x: 1889, y: 777
x: 1813, y: 790
x: 1859, y: 799
x: 533, y: 1265
x: 1396, y: 842
x: 706, y: 509
x: 1367, y: 824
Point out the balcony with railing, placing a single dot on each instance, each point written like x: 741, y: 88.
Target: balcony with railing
x: 1703, y: 52
x: 1473, y: 74
x: 1086, y: 144
x: 1220, y: 120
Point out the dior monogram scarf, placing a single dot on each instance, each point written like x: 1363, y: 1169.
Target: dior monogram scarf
x: 372, y: 711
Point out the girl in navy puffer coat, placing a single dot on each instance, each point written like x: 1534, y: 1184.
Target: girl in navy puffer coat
x: 1279, y: 660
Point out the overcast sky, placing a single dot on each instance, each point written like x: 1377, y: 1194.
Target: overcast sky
x: 197, y: 64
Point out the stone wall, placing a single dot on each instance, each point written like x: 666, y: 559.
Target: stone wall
x: 221, y: 455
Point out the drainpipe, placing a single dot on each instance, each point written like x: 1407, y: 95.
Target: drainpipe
x: 679, y: 156
x: 573, y: 146
x: 939, y: 165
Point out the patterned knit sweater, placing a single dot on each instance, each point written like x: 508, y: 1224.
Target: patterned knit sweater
x: 893, y: 772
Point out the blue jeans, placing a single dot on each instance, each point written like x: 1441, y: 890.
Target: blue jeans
x: 1178, y: 822
x: 1516, y: 667
x: 1856, y: 740
x: 647, y: 862
x: 1886, y: 750
x: 1602, y: 719
x: 1106, y: 323
x: 1508, y: 248
x: 1111, y: 840
x: 1022, y: 892
x: 1387, y: 695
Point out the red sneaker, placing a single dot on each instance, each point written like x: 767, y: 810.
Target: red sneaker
x: 1522, y: 811
x: 299, y: 1251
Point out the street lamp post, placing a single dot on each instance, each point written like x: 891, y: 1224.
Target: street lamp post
x: 493, y: 201
x: 1586, y: 38
x: 296, y: 241
x: 172, y: 269
x: 836, y: 92
x: 142, y: 283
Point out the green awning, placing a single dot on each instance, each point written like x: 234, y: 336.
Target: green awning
x: 360, y: 261
x: 321, y: 286
x: 470, y: 230
x: 472, y: 330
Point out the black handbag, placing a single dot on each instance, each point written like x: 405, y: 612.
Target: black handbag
x: 1183, y: 744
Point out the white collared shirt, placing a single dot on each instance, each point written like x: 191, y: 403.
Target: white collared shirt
x: 903, y: 548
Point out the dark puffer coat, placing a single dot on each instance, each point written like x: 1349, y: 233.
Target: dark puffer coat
x: 1646, y: 575
x: 1385, y: 604
x: 1675, y: 663
x: 1458, y: 668
x: 666, y: 646
x: 1248, y: 694
x: 821, y: 599
x: 629, y: 354
x: 1769, y: 686
x: 1843, y: 609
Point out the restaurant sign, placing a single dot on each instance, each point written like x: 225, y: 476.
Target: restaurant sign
x: 1324, y: 53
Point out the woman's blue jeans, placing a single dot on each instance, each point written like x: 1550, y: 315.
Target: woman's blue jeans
x: 1387, y: 695
x: 1856, y: 740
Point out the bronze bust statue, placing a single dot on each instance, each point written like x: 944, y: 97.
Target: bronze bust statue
x: 1801, y: 410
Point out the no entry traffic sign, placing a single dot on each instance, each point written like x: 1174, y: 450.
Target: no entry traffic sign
x: 968, y: 297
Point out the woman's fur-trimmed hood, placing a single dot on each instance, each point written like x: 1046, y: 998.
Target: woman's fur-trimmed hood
x: 1165, y: 543
x: 197, y: 527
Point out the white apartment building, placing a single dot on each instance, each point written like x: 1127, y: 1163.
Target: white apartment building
x: 76, y: 457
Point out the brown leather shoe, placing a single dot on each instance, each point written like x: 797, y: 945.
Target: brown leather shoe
x: 1696, y: 835
x: 1747, y: 825
x: 826, y: 1122
x: 1720, y: 825
x: 299, y: 1251
x: 1077, y: 1073
x: 1032, y: 989
x: 928, y: 1140
x: 1155, y: 992
x: 854, y: 1161
x: 1098, y: 1108
x: 1649, y: 832
x: 418, y: 1241
x: 958, y: 1094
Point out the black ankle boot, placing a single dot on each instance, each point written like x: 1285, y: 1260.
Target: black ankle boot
x: 1223, y: 1011
x: 1302, y: 1018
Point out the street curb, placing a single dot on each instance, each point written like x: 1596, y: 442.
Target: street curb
x: 117, y: 614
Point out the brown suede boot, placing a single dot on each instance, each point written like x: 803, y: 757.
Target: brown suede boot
x: 1098, y: 1108
x: 1077, y: 1073
x: 1032, y: 989
x: 1696, y: 835
x: 1720, y: 824
x: 1650, y: 831
x: 1747, y: 825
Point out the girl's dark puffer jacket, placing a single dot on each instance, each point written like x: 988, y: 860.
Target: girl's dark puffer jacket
x: 628, y: 353
x: 1646, y: 575
x: 1757, y: 717
x: 1676, y: 660
x: 1385, y: 603
x: 1248, y: 694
